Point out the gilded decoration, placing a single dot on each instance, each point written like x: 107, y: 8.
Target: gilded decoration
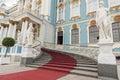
x: 25, y: 19
x: 93, y: 23
x: 117, y: 18
x: 75, y: 17
x: 72, y: 1
x: 74, y: 26
x: 61, y: 4
x: 4, y: 25
x: 13, y: 22
x: 60, y: 29
x: 1, y: 14
x: 91, y: 13
x: 39, y: 2
x: 60, y: 21
x: 115, y: 7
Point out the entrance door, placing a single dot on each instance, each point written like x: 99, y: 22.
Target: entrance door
x: 60, y: 38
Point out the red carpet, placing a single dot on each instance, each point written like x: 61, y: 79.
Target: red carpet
x: 45, y: 72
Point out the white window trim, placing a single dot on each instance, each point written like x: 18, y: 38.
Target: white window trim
x: 71, y: 33
x: 110, y: 4
x: 88, y: 38
x: 87, y: 6
x: 71, y: 10
x: 63, y: 14
x: 57, y: 35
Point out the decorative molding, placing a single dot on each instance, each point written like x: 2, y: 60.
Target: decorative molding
x: 72, y: 1
x: 39, y: 2
x: 91, y: 13
x: 75, y: 17
x: 60, y: 21
x: 60, y: 29
x: 115, y: 7
x: 74, y: 26
x: 93, y: 23
x: 117, y: 18
x: 2, y: 14
x: 4, y: 25
x: 25, y: 19
x: 61, y: 5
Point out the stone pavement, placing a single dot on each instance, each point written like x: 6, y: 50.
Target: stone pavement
x: 13, y: 68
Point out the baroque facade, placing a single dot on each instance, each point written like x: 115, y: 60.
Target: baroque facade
x: 70, y: 22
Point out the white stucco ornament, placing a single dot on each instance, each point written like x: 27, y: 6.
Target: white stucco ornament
x: 103, y: 22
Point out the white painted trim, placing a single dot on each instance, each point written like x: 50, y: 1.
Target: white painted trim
x: 87, y: 6
x: 72, y: 12
x: 57, y: 34
x: 71, y: 32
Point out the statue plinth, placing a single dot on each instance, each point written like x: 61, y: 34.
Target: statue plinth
x: 27, y: 55
x: 107, y: 66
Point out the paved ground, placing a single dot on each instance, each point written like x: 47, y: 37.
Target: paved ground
x: 13, y: 68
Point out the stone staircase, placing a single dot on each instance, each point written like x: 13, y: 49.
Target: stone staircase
x: 84, y: 67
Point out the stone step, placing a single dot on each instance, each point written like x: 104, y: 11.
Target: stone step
x: 77, y: 72
x: 66, y: 67
x: 78, y: 65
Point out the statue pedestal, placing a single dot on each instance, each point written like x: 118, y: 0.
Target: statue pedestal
x: 27, y: 55
x: 107, y: 66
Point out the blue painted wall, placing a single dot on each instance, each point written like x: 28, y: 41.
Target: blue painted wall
x: 82, y: 21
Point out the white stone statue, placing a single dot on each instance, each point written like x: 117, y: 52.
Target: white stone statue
x: 103, y: 23
x: 30, y: 34
x: 19, y: 37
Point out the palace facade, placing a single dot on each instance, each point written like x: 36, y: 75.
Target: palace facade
x: 63, y: 22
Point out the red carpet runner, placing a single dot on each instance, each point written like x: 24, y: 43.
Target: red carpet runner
x: 42, y: 73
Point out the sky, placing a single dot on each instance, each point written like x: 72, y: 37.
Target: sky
x: 8, y: 3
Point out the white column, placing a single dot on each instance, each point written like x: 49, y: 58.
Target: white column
x: 1, y: 34
x: 24, y: 31
x: 34, y: 4
x: 14, y: 30
x: 9, y: 30
x: 42, y: 33
x: 5, y: 32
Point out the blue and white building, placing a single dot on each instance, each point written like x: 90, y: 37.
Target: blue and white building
x: 63, y: 22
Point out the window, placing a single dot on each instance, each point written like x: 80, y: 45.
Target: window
x: 60, y: 13
x: 116, y: 31
x: 114, y: 3
x: 92, y: 5
x: 75, y: 36
x: 93, y: 34
x: 75, y: 9
x: 61, y: 0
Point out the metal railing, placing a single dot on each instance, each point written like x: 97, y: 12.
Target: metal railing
x: 88, y: 51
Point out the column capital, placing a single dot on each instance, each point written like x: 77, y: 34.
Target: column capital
x: 2, y: 14
x: 25, y: 19
x: 4, y: 25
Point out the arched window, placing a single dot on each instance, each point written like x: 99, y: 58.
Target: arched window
x: 116, y: 31
x: 114, y: 3
x: 75, y: 34
x: 116, y: 28
x: 92, y: 5
x: 60, y: 36
x: 93, y: 32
